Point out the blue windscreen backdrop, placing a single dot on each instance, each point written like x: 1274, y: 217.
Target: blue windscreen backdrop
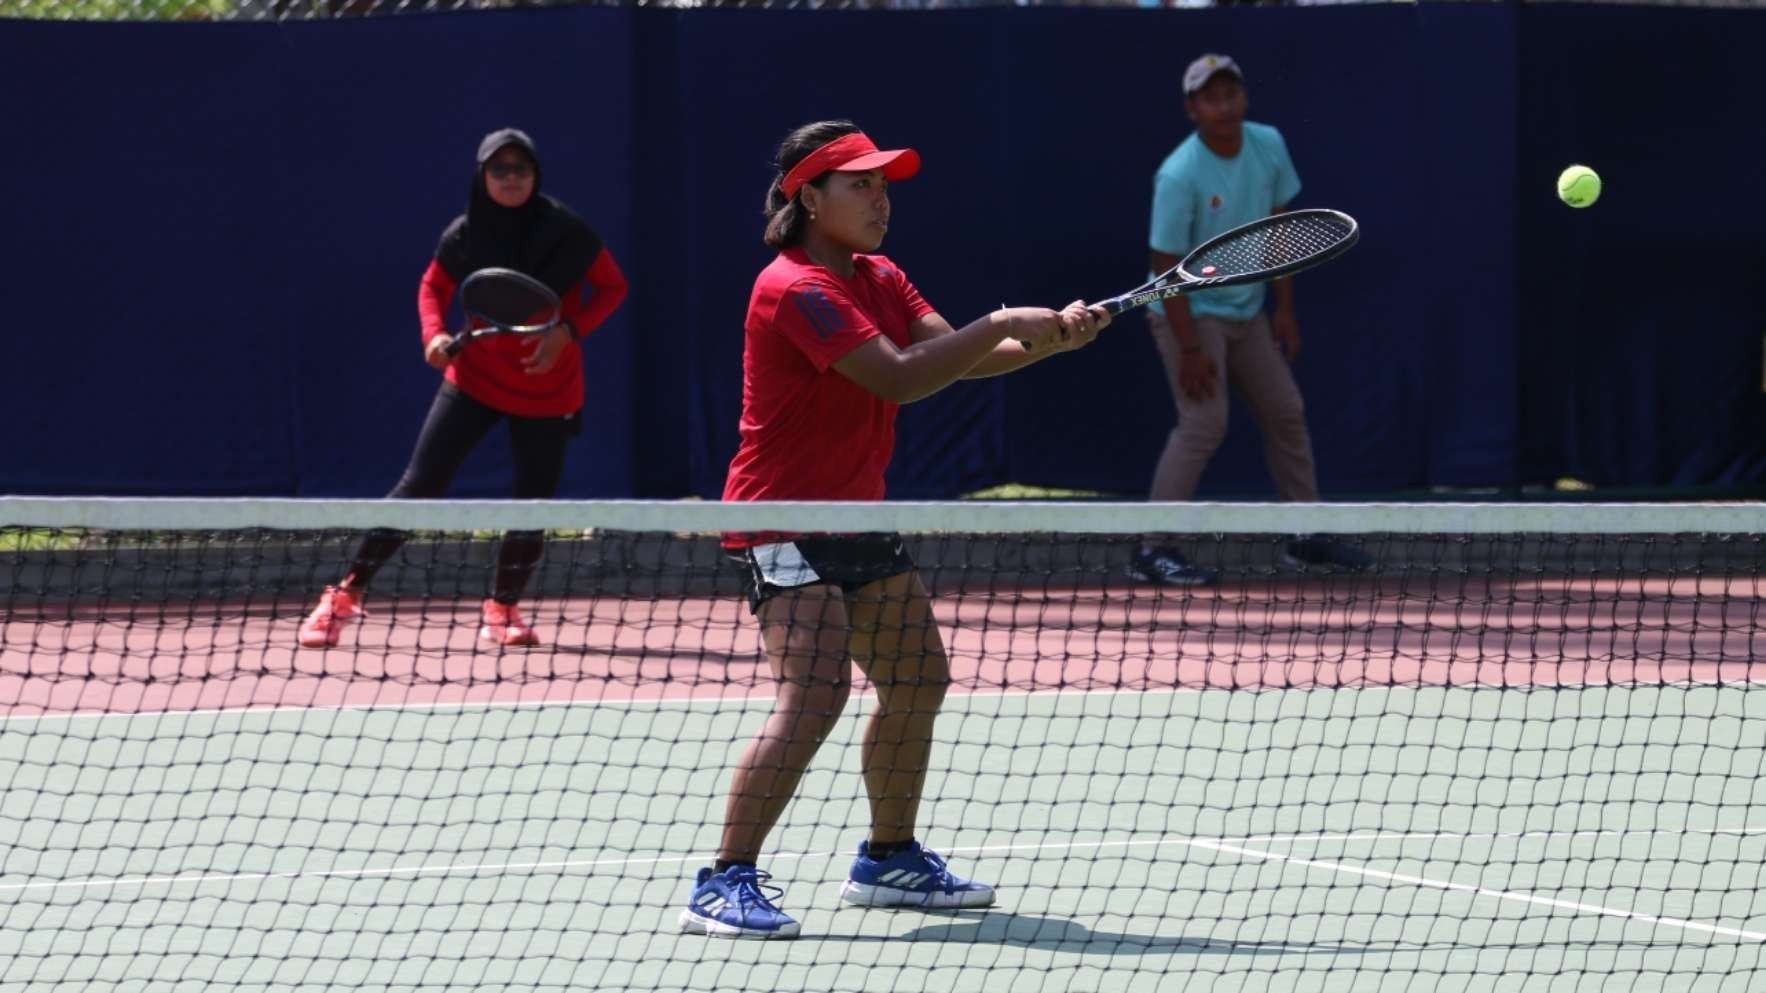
x: 214, y: 235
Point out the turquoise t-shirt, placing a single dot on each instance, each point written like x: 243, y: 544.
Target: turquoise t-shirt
x: 1197, y: 195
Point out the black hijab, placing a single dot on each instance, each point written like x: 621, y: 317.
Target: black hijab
x: 542, y: 237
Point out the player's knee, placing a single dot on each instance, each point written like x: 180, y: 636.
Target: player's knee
x: 919, y: 690
x: 816, y: 697
x: 815, y: 720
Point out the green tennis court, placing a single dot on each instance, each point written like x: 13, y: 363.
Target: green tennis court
x: 1341, y: 839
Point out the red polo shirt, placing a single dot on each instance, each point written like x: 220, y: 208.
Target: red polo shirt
x: 809, y: 433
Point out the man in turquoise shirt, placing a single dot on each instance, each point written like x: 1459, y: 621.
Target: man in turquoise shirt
x: 1228, y: 172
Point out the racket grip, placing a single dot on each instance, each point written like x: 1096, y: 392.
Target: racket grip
x: 453, y: 347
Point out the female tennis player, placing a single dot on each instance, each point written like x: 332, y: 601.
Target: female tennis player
x: 534, y: 383
x: 836, y: 338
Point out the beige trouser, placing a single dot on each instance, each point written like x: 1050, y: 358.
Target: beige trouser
x: 1248, y: 359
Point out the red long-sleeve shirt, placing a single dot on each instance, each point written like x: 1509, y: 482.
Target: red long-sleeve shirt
x: 489, y: 370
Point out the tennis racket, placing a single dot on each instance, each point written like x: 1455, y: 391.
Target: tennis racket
x: 503, y: 301
x: 1268, y: 248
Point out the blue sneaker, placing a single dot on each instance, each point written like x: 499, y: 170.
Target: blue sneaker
x: 736, y: 904
x: 912, y: 877
x: 1167, y: 567
x: 1327, y: 553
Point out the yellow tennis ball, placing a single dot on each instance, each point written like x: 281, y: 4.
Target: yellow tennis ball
x: 1578, y: 186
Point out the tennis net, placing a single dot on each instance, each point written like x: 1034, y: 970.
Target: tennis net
x: 1370, y: 747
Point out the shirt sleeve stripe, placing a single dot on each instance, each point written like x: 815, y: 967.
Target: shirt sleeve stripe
x: 818, y: 310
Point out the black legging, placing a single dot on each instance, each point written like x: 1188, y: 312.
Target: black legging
x: 454, y: 427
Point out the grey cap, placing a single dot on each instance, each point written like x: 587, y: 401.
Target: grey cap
x: 1204, y: 68
x: 505, y: 136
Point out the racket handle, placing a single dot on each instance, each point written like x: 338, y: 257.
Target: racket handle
x: 1140, y: 298
x: 453, y: 347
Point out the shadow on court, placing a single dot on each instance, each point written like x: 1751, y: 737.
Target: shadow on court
x: 1053, y: 934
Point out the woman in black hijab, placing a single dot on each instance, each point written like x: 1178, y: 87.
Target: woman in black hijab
x: 535, y: 383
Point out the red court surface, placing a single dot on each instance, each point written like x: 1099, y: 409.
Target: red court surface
x: 1350, y: 632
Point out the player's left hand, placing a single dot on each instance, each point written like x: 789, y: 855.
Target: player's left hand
x: 544, y: 351
x: 436, y: 351
x: 1287, y: 333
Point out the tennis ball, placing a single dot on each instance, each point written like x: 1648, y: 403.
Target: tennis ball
x: 1578, y: 186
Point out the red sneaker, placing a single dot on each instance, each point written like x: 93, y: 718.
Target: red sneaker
x: 503, y: 626
x: 338, y: 608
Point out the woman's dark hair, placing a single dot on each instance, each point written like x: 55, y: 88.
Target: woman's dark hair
x: 785, y: 216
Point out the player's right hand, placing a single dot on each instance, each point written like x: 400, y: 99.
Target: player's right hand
x: 436, y: 352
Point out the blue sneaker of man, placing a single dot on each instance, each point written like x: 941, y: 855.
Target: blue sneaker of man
x: 736, y: 903
x: 1327, y: 553
x: 912, y: 877
x: 1162, y: 565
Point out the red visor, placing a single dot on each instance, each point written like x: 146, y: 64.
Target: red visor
x: 851, y: 153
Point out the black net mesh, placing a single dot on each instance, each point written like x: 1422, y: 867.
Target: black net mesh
x: 1323, y: 754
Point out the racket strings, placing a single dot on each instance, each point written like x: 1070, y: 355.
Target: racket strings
x: 509, y: 302
x: 1283, y: 241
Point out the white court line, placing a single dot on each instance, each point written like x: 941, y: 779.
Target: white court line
x: 763, y: 695
x: 1232, y: 847
x: 413, y: 870
x: 1274, y: 839
x: 1509, y: 895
